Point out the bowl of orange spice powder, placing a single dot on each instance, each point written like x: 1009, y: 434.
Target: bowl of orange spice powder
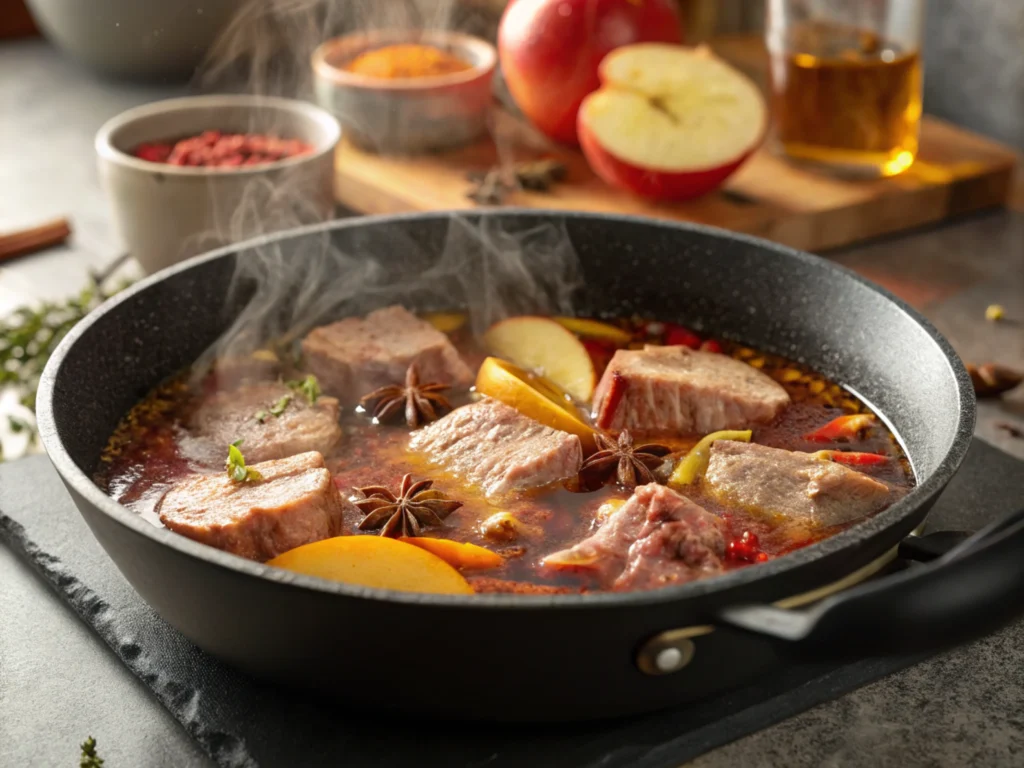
x: 402, y: 91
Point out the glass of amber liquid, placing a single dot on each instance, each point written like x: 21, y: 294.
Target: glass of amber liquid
x: 846, y: 81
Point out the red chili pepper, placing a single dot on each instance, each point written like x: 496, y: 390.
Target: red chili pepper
x: 848, y: 426
x: 677, y: 336
x: 854, y: 458
x: 711, y: 346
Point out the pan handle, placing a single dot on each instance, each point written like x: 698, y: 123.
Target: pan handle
x: 971, y: 591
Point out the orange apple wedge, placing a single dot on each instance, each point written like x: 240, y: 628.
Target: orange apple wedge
x: 534, y: 397
x: 595, y: 329
x: 669, y: 122
x: 446, y: 322
x: 542, y: 345
x: 375, y: 561
x: 464, y: 556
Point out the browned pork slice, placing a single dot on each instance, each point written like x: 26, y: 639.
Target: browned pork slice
x: 296, y: 503
x: 495, y: 447
x: 357, y: 355
x: 791, y: 484
x: 657, y: 538
x: 270, y: 419
x: 675, y: 389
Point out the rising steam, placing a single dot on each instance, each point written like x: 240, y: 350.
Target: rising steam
x: 489, y: 267
x: 266, y: 48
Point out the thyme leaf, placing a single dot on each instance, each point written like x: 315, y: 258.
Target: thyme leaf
x: 309, y: 388
x: 30, y: 334
x: 89, y: 757
x: 237, y: 470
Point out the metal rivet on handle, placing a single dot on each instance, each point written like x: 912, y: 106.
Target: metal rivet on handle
x: 669, y: 651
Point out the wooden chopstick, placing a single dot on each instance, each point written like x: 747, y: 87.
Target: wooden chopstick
x: 25, y: 241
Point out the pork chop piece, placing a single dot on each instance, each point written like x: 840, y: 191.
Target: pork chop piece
x: 499, y: 449
x: 355, y: 356
x: 794, y: 485
x: 296, y: 503
x: 248, y: 414
x: 675, y: 389
x: 657, y: 538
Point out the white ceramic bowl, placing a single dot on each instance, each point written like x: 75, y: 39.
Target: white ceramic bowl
x: 406, y: 115
x: 167, y: 213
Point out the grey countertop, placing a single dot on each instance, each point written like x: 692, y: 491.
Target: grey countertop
x: 49, y: 111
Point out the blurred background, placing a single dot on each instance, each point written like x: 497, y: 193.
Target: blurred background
x: 973, y: 49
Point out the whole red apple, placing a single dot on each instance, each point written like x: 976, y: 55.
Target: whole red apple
x: 550, y: 51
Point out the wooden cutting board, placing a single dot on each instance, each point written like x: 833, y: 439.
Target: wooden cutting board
x: 956, y: 172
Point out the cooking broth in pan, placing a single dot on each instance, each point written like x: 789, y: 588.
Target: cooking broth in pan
x: 552, y: 455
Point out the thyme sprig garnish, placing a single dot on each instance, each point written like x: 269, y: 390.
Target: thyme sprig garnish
x: 308, y: 387
x: 275, y: 410
x: 237, y: 470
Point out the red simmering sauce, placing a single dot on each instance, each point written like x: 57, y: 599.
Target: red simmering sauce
x: 145, y: 456
x: 215, y: 149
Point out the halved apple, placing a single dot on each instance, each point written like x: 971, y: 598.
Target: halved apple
x: 542, y: 345
x: 670, y: 122
x: 532, y: 396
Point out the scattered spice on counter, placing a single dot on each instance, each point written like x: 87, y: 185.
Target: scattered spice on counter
x: 1010, y: 429
x: 215, y: 149
x: 994, y: 313
x: 493, y: 187
x: 992, y: 380
x: 406, y: 60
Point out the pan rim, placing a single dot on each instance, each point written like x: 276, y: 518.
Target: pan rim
x: 83, y: 485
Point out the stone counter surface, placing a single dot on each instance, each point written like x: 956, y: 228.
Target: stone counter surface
x: 924, y: 716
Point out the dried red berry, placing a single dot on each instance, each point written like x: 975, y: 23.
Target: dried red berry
x: 215, y: 149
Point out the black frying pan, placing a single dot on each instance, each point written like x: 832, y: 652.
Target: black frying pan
x: 564, y: 656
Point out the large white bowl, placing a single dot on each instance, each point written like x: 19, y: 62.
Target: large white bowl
x: 167, y: 213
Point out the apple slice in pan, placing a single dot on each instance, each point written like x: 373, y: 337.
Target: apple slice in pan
x: 540, y: 344
x: 670, y: 122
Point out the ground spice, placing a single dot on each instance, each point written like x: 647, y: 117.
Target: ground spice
x: 406, y: 60
x: 214, y: 149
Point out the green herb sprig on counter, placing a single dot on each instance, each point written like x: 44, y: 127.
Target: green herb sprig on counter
x: 309, y: 388
x: 237, y: 470
x: 29, y: 335
x: 89, y: 757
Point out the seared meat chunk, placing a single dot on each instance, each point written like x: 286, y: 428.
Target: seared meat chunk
x: 357, y: 355
x: 499, y: 449
x: 675, y: 389
x: 794, y: 485
x: 248, y: 414
x: 657, y: 538
x: 296, y: 503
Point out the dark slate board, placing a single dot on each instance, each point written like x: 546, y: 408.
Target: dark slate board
x: 242, y: 722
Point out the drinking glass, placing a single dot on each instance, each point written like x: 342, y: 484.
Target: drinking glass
x: 846, y: 78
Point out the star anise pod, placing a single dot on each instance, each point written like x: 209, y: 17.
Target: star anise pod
x: 630, y: 465
x: 403, y: 514
x: 422, y: 403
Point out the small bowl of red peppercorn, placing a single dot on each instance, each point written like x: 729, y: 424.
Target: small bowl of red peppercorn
x: 186, y: 175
